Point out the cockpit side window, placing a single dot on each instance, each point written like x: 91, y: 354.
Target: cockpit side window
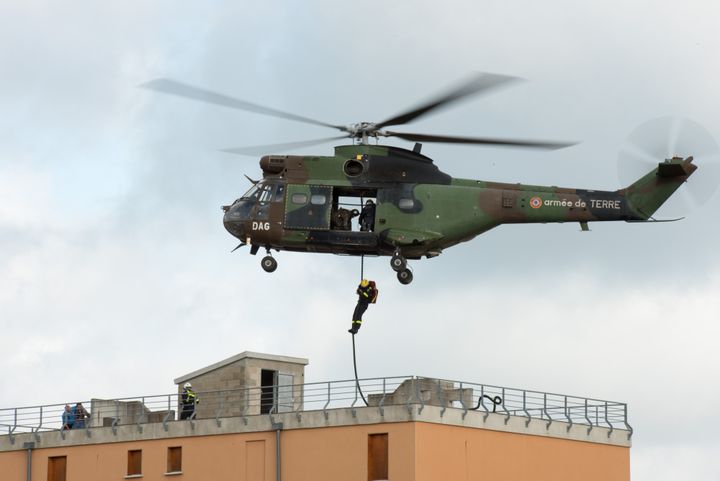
x: 266, y: 194
x: 279, y: 193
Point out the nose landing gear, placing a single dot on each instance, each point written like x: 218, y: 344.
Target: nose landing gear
x: 399, y: 265
x: 268, y: 263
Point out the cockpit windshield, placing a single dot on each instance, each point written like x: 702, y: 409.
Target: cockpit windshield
x: 260, y: 193
x: 251, y: 193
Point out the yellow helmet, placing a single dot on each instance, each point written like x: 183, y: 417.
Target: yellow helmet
x: 364, y: 283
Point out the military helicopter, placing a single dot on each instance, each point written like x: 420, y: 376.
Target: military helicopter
x: 406, y: 207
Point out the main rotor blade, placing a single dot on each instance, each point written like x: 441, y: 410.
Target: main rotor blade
x: 533, y: 144
x: 172, y: 87
x: 273, y: 148
x: 478, y: 83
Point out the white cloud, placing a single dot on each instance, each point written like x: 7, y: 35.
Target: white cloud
x: 676, y: 461
x: 114, y: 262
x: 24, y: 200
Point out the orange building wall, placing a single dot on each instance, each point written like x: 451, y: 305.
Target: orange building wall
x: 460, y: 454
x: 417, y: 451
x: 323, y: 454
x: 13, y: 466
x: 341, y: 453
x: 217, y: 458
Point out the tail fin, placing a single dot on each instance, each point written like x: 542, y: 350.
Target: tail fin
x: 646, y: 195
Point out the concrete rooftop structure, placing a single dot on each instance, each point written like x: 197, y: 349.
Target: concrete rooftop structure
x: 411, y: 428
x: 244, y: 358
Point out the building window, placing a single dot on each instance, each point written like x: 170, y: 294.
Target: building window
x: 57, y: 467
x: 377, y: 457
x: 174, y: 459
x: 134, y: 467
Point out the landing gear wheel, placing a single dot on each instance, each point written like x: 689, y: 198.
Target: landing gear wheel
x: 405, y: 276
x: 398, y: 262
x: 268, y: 263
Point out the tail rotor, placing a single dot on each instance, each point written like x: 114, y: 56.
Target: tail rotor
x: 666, y: 137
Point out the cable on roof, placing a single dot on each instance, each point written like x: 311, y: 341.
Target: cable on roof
x: 496, y: 401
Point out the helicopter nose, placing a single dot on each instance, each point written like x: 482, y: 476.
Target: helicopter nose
x: 233, y: 225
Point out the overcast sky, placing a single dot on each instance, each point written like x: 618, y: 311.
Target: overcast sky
x: 115, y: 270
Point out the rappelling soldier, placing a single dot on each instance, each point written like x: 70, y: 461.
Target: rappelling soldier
x: 367, y: 294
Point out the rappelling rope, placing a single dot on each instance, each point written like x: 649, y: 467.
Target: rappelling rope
x: 357, y: 381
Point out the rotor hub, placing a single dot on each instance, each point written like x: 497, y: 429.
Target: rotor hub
x: 363, y: 130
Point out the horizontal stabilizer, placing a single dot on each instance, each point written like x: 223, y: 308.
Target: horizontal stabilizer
x: 674, y: 169
x: 651, y: 219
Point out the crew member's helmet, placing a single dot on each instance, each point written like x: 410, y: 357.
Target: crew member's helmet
x: 187, y: 385
x: 364, y: 283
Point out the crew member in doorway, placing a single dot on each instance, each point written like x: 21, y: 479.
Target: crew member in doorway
x: 189, y: 401
x: 367, y: 294
x: 367, y: 216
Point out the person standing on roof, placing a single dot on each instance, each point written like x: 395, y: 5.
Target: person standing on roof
x: 189, y: 401
x: 367, y: 294
x: 67, y: 418
x: 80, y: 414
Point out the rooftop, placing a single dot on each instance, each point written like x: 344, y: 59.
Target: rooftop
x: 325, y: 404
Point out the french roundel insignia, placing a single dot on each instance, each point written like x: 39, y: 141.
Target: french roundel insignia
x: 536, y: 202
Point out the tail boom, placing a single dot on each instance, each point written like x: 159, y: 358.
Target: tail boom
x: 637, y: 202
x: 647, y: 194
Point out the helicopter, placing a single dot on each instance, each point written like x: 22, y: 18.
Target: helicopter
x: 378, y: 200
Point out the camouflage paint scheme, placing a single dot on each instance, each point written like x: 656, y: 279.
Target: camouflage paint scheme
x: 420, y: 210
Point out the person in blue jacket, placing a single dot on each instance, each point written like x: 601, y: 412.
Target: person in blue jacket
x: 68, y: 418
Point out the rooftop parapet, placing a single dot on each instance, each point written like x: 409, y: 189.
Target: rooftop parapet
x: 415, y: 394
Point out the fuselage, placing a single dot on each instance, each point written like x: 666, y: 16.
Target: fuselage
x: 303, y: 204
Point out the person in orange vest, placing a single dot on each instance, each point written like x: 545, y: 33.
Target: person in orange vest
x: 367, y: 294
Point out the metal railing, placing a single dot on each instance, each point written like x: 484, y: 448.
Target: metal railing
x: 414, y: 392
